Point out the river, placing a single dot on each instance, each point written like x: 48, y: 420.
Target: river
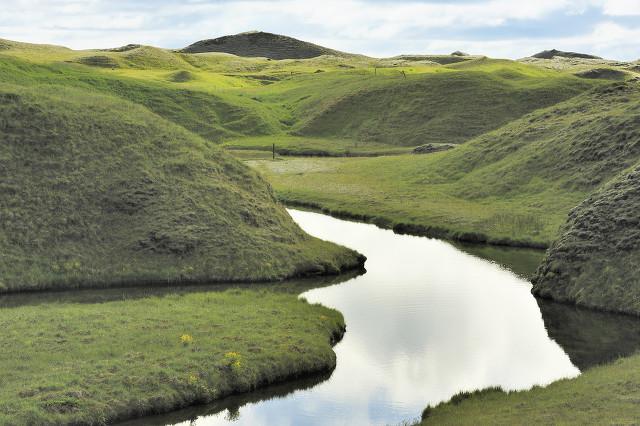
x: 427, y: 320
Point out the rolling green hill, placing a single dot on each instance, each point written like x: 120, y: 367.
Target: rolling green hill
x: 99, y: 191
x: 464, y: 100
x: 514, y: 185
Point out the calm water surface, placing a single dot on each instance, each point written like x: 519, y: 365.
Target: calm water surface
x: 425, y: 322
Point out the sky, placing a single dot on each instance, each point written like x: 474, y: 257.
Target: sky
x: 379, y: 28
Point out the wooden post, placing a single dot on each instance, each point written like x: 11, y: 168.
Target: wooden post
x: 274, y: 151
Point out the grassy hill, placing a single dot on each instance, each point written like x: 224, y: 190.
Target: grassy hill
x: 261, y: 44
x: 595, y: 261
x: 99, y: 191
x: 464, y: 100
x: 550, y: 54
x: 514, y: 185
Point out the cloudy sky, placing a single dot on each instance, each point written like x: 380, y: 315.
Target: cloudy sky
x: 498, y: 28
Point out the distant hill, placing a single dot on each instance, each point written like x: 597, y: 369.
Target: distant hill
x: 550, y: 54
x: 261, y: 44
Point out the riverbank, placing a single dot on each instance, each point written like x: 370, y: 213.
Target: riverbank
x: 606, y: 394
x: 418, y: 230
x: 96, y: 363
x: 408, y: 194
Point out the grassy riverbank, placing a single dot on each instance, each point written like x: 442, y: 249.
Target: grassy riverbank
x: 88, y: 363
x: 607, y: 394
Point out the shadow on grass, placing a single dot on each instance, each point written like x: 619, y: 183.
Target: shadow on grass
x: 295, y: 286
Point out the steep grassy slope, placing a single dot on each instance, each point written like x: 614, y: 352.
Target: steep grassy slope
x: 96, y: 190
x: 261, y: 44
x: 595, y: 262
x: 440, y: 107
x: 512, y: 185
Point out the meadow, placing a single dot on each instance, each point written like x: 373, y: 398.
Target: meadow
x: 115, y: 169
x: 76, y: 362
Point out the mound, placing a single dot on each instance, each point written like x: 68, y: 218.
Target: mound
x: 147, y: 57
x: 603, y: 73
x: 96, y: 191
x: 181, y: 77
x: 261, y: 44
x: 439, y: 59
x: 550, y: 54
x: 101, y: 61
x: 574, y: 146
x: 125, y: 48
x: 595, y: 261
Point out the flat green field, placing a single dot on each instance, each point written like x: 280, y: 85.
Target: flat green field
x: 406, y: 192
x: 80, y: 362
x: 287, y: 145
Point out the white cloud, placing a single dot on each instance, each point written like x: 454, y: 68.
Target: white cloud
x: 379, y: 28
x: 621, y: 7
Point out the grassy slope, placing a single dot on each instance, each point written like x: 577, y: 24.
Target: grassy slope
x: 96, y: 190
x: 515, y: 183
x: 595, y: 261
x: 603, y: 395
x: 441, y: 107
x: 211, y: 115
x: 76, y: 363
x: 222, y: 96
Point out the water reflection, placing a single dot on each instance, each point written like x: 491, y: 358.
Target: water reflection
x: 590, y: 337
x: 425, y: 322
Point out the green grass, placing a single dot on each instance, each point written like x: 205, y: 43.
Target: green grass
x: 595, y: 261
x: 86, y: 363
x: 97, y: 191
x: 450, y: 106
x: 514, y: 185
x: 602, y: 395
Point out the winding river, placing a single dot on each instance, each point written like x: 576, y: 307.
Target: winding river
x: 426, y: 321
